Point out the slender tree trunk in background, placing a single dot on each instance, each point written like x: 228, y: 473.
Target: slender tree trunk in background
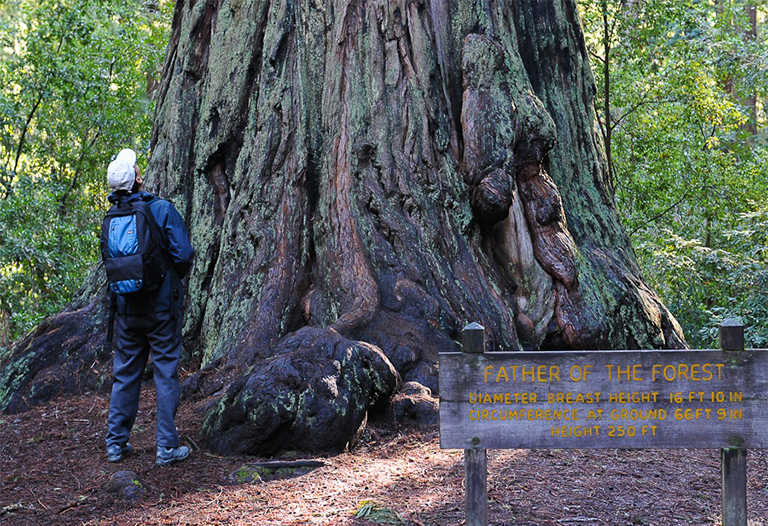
x: 748, y: 101
x: 5, y: 329
x: 361, y: 179
x: 750, y: 35
x: 607, y: 37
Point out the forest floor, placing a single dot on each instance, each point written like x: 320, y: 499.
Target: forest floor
x: 54, y: 472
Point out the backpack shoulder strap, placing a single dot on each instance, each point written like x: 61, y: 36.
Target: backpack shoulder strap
x: 142, y: 206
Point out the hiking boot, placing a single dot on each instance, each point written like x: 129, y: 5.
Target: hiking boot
x: 116, y: 452
x: 169, y: 455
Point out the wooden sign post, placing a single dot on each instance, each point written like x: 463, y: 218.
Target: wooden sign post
x: 605, y: 399
x: 733, y: 461
x: 475, y: 458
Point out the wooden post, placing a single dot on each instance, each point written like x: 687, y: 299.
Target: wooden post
x: 733, y: 461
x: 475, y: 459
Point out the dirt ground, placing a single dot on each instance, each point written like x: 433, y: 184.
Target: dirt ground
x: 54, y: 472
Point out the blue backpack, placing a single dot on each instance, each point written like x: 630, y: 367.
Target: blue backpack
x: 131, y: 248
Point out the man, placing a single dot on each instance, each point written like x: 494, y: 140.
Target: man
x: 148, y: 323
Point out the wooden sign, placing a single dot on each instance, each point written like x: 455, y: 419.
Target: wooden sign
x: 604, y: 399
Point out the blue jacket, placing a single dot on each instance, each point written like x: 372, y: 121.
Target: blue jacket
x: 169, y: 297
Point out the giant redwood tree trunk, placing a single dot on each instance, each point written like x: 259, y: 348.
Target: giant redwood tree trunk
x: 361, y: 179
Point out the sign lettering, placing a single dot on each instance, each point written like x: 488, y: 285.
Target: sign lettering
x: 622, y: 399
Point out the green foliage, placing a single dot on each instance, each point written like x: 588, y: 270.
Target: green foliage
x: 685, y: 117
x: 705, y: 285
x: 76, y: 81
x: 44, y: 248
x: 378, y: 513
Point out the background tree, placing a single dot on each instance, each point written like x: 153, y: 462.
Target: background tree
x: 362, y: 179
x: 684, y: 92
x: 73, y: 91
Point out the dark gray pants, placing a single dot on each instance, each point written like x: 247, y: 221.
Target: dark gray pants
x: 137, y: 337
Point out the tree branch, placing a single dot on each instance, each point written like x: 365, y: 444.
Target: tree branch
x: 88, y: 146
x: 637, y: 106
x: 622, y: 5
x: 24, y: 131
x: 597, y: 57
x: 660, y: 214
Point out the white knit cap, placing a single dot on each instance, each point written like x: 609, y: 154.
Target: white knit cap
x: 121, y: 173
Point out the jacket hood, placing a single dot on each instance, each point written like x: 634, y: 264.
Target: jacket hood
x: 115, y: 197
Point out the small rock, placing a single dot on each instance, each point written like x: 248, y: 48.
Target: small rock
x: 414, y: 404
x: 126, y: 485
x: 245, y: 475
